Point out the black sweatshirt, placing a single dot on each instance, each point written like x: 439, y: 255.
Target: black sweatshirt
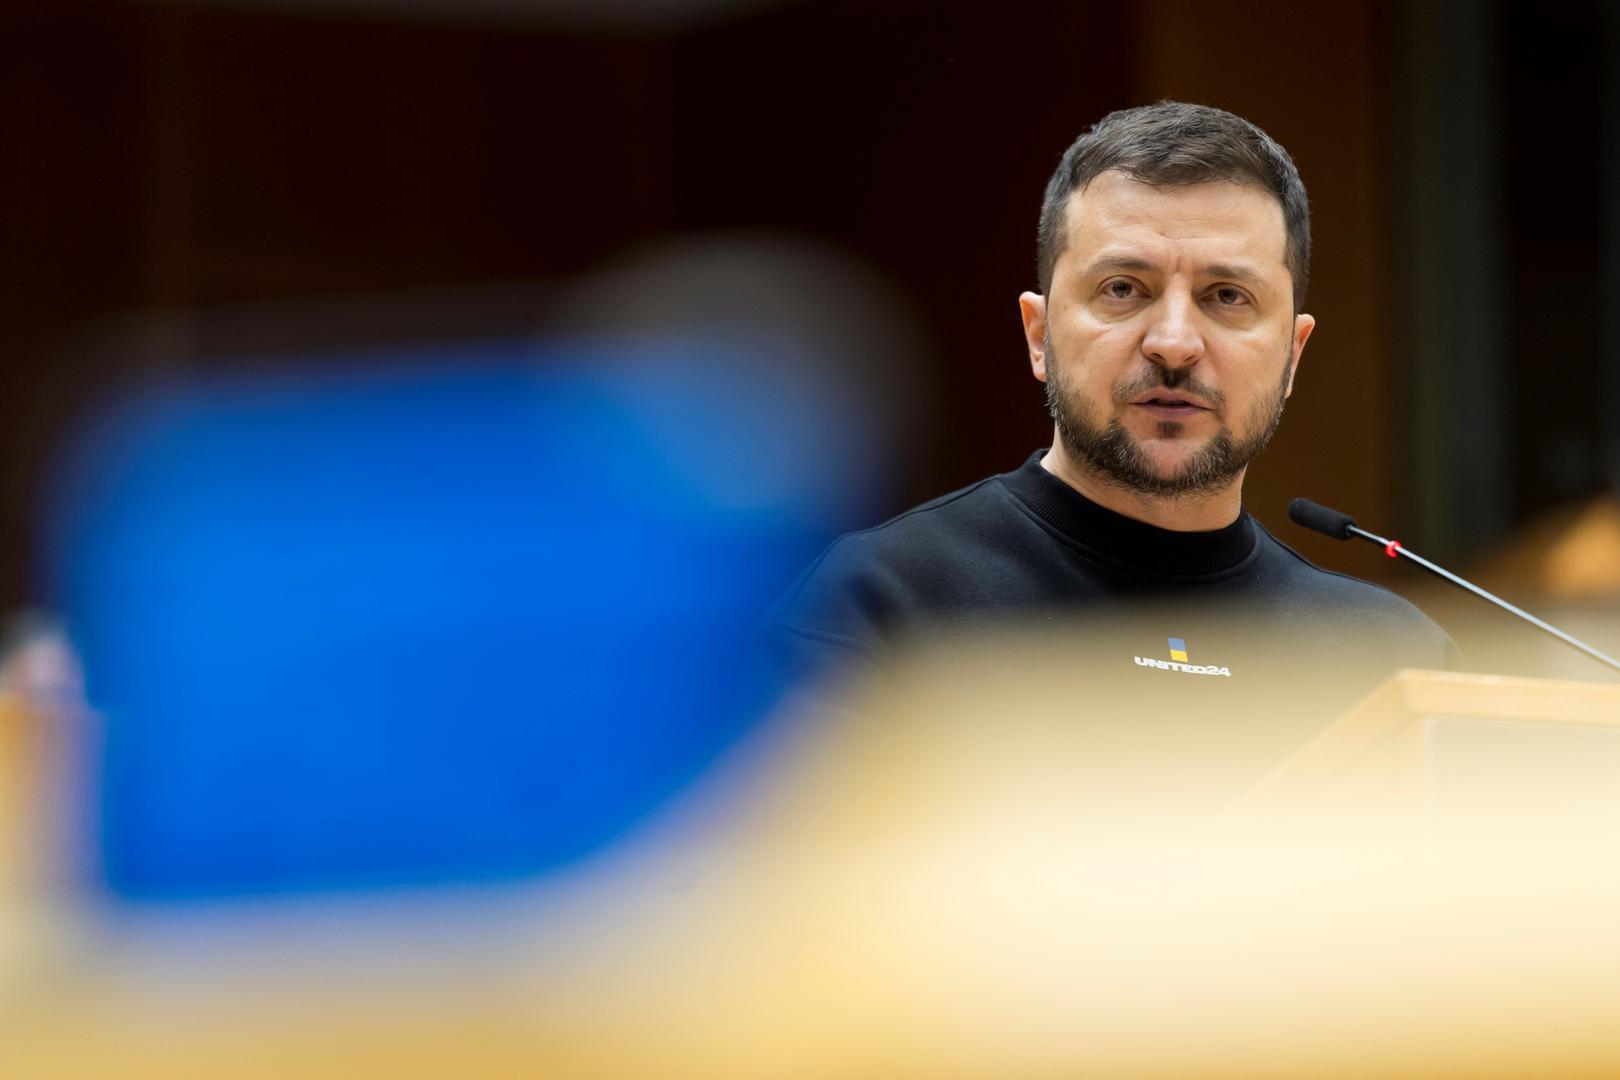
x: 1148, y: 607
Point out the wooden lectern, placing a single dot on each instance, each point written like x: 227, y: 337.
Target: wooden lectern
x: 1443, y: 739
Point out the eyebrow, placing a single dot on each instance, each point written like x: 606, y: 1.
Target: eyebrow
x: 1135, y: 264
x: 1119, y: 262
x: 1235, y: 273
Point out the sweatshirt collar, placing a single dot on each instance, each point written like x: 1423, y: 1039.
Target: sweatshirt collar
x: 1163, y: 552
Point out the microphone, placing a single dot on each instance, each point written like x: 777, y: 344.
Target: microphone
x: 1342, y: 526
x: 1332, y: 522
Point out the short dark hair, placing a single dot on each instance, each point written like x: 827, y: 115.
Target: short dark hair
x: 1168, y: 145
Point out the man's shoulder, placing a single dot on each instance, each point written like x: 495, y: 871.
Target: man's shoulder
x: 1284, y: 559
x: 1341, y: 592
x: 949, y: 517
x: 918, y: 535
x: 865, y: 578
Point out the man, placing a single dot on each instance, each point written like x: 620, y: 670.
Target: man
x: 1173, y: 252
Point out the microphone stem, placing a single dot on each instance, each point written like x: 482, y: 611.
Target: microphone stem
x: 1600, y: 657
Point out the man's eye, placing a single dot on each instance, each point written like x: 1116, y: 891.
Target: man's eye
x: 1120, y: 290
x: 1230, y: 296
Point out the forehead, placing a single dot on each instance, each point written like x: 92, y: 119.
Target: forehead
x: 1215, y: 220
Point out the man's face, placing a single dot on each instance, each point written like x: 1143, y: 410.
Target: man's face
x: 1168, y: 339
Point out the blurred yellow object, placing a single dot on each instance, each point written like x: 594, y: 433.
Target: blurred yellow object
x: 19, y: 800
x: 963, y: 874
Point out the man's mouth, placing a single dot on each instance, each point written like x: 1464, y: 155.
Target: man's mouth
x: 1170, y: 406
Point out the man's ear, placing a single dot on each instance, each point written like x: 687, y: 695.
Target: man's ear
x: 1303, y: 325
x: 1032, y: 306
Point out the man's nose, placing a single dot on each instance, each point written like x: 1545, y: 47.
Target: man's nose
x: 1173, y: 338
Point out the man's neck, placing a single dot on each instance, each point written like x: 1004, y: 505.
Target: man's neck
x: 1202, y: 511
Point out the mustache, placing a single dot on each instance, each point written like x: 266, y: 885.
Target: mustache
x: 1168, y: 379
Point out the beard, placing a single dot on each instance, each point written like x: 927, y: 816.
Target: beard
x: 1116, y: 456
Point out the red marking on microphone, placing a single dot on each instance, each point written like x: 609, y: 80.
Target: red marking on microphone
x: 1391, y: 548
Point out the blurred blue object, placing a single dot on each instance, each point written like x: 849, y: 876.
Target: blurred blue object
x: 449, y: 616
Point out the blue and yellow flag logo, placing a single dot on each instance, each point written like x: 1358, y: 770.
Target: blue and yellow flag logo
x: 1178, y: 661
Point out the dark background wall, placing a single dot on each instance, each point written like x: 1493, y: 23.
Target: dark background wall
x: 165, y: 161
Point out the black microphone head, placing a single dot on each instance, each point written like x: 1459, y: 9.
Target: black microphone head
x: 1332, y: 522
